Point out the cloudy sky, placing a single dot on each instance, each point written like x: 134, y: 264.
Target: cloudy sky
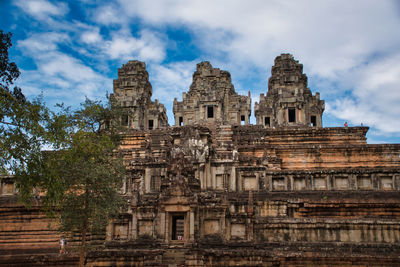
x: 350, y: 49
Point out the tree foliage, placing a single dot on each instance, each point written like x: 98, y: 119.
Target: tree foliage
x: 81, y: 176
x: 22, y: 132
x: 68, y: 158
x: 9, y: 71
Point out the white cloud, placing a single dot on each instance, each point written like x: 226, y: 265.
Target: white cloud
x: 60, y: 76
x: 147, y: 47
x: 375, y: 97
x: 171, y: 80
x: 91, y: 37
x: 59, y: 64
x: 108, y: 14
x: 43, y: 42
x: 42, y: 9
x: 331, y: 36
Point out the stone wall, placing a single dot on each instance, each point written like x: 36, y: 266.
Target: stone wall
x: 255, y: 196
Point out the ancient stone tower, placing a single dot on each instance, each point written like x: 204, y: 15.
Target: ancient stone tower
x: 212, y: 99
x: 288, y: 102
x: 133, y: 90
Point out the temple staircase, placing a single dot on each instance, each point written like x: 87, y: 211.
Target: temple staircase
x: 174, y: 257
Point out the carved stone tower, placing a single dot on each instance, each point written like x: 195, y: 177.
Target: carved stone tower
x: 212, y: 99
x: 133, y: 90
x: 288, y: 102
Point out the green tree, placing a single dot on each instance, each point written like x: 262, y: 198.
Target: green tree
x: 83, y: 177
x: 70, y: 156
x: 21, y: 121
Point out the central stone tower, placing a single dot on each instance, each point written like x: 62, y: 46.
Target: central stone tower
x: 212, y: 99
x: 288, y: 102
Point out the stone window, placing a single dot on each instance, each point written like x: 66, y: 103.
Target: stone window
x: 299, y: 183
x: 341, y: 182
x: 155, y: 183
x: 364, y: 182
x: 124, y: 120
x: 151, y: 124
x: 180, y: 121
x: 219, y: 182
x: 278, y: 184
x: 7, y: 188
x: 320, y: 183
x: 210, y: 112
x: 313, y: 121
x: 292, y: 114
x: 386, y: 183
x: 267, y: 121
x: 242, y: 120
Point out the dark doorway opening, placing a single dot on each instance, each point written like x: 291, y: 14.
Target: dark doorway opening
x: 267, y: 121
x: 313, y: 121
x: 151, y: 124
x: 180, y: 121
x: 292, y: 115
x: 242, y: 120
x: 125, y: 120
x: 178, y: 227
x: 210, y: 112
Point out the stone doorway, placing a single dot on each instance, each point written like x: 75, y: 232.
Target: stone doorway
x: 178, y: 226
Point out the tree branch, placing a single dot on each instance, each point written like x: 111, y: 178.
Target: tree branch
x: 10, y: 123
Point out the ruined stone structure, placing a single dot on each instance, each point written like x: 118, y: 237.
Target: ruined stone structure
x: 212, y: 99
x: 133, y: 90
x: 288, y: 101
x: 216, y: 193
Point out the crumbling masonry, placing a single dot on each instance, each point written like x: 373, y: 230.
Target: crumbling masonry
x: 210, y: 191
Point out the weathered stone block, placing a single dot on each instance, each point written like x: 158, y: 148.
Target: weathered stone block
x: 299, y: 183
x: 211, y: 227
x: 145, y: 228
x: 238, y: 230
x: 250, y: 183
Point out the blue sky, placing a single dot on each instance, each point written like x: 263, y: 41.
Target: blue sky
x: 350, y: 50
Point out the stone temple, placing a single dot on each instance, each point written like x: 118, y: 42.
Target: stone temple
x: 214, y: 190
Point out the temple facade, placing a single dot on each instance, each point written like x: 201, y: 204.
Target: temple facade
x: 210, y: 191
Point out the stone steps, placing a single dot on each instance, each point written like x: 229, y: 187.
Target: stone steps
x: 34, y: 260
x: 23, y: 230
x: 174, y: 257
